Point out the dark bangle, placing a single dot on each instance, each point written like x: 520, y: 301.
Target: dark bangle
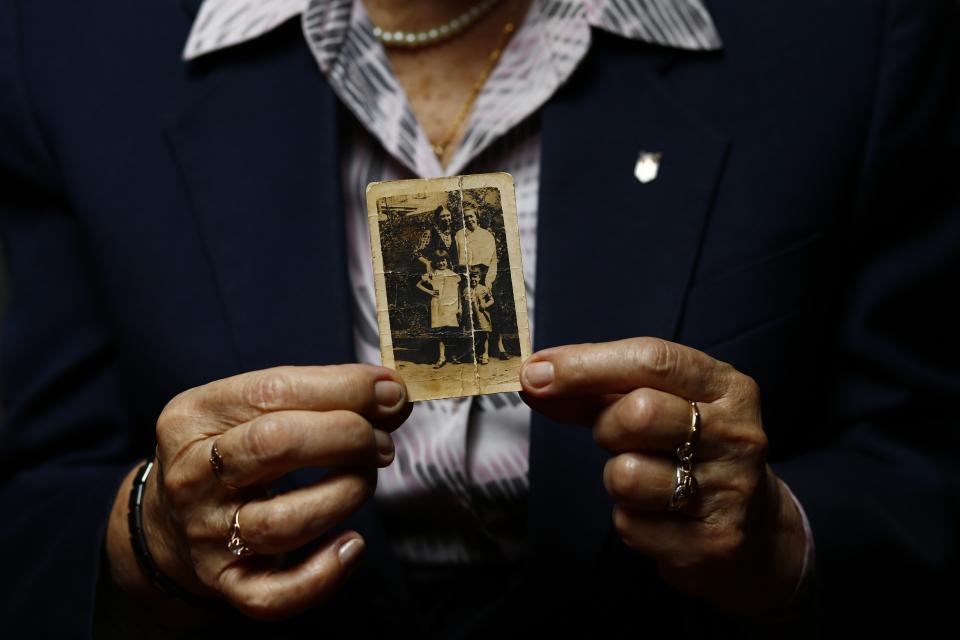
x: 138, y: 541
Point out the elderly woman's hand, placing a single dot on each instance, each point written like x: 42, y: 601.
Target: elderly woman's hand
x: 265, y: 424
x: 740, y: 541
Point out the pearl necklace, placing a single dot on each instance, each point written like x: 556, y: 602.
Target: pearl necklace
x: 415, y: 39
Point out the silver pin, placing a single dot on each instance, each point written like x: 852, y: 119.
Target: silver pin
x: 648, y: 165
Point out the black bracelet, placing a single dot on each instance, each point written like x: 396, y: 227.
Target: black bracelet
x: 138, y: 541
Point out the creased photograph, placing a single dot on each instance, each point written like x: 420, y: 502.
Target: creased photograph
x: 449, y: 282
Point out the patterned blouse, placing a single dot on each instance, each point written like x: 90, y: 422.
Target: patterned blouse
x: 457, y: 490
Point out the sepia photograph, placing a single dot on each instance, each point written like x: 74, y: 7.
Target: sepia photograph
x: 450, y: 296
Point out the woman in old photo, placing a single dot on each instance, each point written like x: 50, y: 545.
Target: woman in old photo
x: 740, y: 222
x: 438, y: 237
x: 476, y: 246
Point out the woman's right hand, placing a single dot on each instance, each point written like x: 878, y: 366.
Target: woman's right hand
x: 266, y: 424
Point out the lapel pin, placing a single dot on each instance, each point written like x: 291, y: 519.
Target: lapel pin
x: 648, y: 165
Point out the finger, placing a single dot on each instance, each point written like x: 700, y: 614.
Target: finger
x: 640, y: 482
x: 647, y: 420
x: 377, y: 393
x: 677, y: 546
x: 690, y: 554
x: 625, y: 365
x: 288, y: 521
x: 275, y: 444
x: 265, y: 594
x: 658, y: 535
x: 646, y: 483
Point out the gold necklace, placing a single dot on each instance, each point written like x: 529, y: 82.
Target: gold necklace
x: 440, y: 147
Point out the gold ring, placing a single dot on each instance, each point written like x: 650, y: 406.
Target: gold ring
x: 235, y: 543
x: 216, y: 460
x: 685, y: 486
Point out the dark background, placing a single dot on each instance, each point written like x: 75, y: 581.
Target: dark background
x: 3, y: 303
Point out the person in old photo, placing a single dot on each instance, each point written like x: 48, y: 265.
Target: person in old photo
x: 476, y: 246
x: 438, y: 237
x: 479, y: 300
x: 704, y: 251
x: 446, y: 308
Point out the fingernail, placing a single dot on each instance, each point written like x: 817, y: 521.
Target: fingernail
x: 350, y: 551
x: 538, y: 374
x: 389, y: 393
x: 384, y: 444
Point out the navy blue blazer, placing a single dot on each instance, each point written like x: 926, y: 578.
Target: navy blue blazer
x: 167, y: 224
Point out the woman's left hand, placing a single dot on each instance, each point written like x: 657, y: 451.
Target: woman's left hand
x: 740, y: 541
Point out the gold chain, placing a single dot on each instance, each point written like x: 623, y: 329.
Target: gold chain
x: 440, y: 147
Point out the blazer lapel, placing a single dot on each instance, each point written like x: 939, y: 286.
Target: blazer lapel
x: 257, y: 146
x: 615, y: 256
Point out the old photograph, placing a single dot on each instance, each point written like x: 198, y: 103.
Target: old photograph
x: 450, y: 296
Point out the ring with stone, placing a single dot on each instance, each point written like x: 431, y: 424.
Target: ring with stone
x: 235, y: 543
x: 685, y: 486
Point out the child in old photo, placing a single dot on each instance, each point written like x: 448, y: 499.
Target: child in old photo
x: 480, y: 299
x: 443, y: 285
